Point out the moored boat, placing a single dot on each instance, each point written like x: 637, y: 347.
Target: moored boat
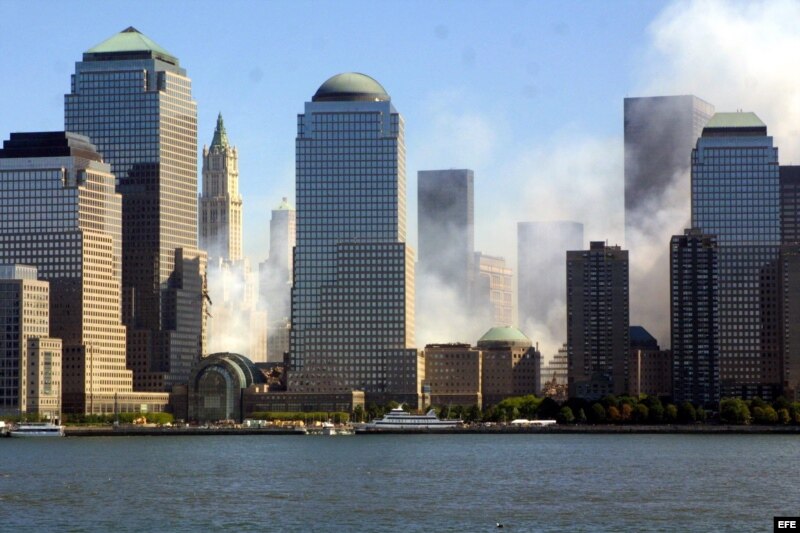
x: 399, y: 420
x: 37, y: 429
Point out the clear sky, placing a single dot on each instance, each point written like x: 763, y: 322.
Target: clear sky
x: 477, y: 82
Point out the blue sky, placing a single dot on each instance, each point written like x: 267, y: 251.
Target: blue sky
x: 477, y: 82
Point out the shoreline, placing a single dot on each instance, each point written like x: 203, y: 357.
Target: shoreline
x: 500, y: 430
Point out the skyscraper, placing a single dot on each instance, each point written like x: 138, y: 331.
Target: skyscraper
x: 134, y: 101
x: 735, y: 196
x: 694, y: 278
x: 789, y: 277
x: 62, y: 215
x: 446, y: 215
x: 598, y: 337
x: 221, y: 204
x: 542, y: 285
x: 660, y: 132
x: 276, y: 278
x: 492, y: 299
x: 353, y: 293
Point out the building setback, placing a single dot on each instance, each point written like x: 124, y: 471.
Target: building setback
x: 694, y: 283
x: 30, y: 361
x: 735, y: 196
x: 597, y: 321
x: 134, y: 101
x: 352, y: 324
x: 62, y: 215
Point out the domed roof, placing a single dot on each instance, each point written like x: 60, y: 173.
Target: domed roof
x: 504, y: 334
x: 351, y: 86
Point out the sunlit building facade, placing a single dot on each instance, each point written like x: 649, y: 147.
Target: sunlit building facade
x: 352, y: 323
x: 134, y: 101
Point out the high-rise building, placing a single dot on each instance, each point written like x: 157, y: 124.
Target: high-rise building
x: 555, y: 375
x: 736, y: 197
x: 492, y: 300
x: 134, y: 101
x: 30, y: 361
x: 660, y: 132
x: 62, y: 215
x: 598, y: 337
x: 446, y: 219
x: 276, y: 278
x: 352, y: 324
x: 694, y: 280
x: 541, y: 283
x: 789, y: 277
x: 221, y: 204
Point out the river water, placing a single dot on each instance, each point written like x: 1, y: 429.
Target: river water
x: 425, y: 483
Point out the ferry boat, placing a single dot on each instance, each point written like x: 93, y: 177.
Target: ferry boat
x: 37, y: 429
x: 397, y: 419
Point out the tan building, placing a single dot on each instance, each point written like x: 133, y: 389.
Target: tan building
x: 30, y: 361
x: 650, y: 372
x: 511, y: 365
x: 452, y: 374
x: 221, y: 203
x: 62, y: 215
x: 494, y: 289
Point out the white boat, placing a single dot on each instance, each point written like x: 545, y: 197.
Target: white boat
x: 328, y: 428
x: 37, y: 429
x: 397, y: 419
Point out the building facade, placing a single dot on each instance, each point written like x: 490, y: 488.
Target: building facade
x: 597, y: 321
x: 276, y: 278
x: 134, y: 101
x: 61, y: 214
x: 541, y: 283
x: 511, y: 366
x: 30, y: 361
x: 736, y: 197
x: 352, y: 323
x: 453, y: 374
x: 221, y: 203
x: 694, y: 281
x: 446, y: 220
x: 493, y: 293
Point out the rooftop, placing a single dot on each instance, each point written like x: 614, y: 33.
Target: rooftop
x: 351, y: 86
x: 735, y: 120
x: 284, y: 205
x: 220, y: 135
x: 130, y: 43
x: 504, y: 334
x: 49, y: 144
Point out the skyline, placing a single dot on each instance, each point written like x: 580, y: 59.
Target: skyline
x: 517, y: 94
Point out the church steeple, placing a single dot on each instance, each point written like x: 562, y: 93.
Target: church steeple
x: 220, y: 136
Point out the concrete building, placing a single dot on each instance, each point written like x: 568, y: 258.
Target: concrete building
x: 650, y: 367
x: 555, y: 375
x: 789, y: 278
x: 133, y: 99
x: 493, y: 296
x: 60, y: 213
x: 511, y: 365
x: 30, y: 361
x: 597, y: 321
x: 660, y: 132
x: 694, y: 279
x: 276, y: 278
x: 541, y: 283
x: 736, y: 197
x: 453, y: 374
x: 221, y: 203
x: 446, y: 219
x: 352, y: 324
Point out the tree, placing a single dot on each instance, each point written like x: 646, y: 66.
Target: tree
x: 626, y: 412
x: 783, y: 416
x: 565, y: 415
x: 765, y: 415
x: 671, y: 413
x: 734, y: 411
x: 687, y: 413
x: 598, y: 413
x: 581, y: 416
x: 613, y: 414
x: 641, y: 413
x: 358, y: 413
x: 473, y: 413
x: 548, y: 409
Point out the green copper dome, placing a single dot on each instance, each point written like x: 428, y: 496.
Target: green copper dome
x: 130, y: 43
x: 504, y: 334
x: 351, y: 86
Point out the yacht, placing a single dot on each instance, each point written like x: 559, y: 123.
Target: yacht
x: 37, y: 429
x: 397, y: 419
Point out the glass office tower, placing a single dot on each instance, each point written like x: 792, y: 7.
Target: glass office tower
x: 134, y: 101
x: 735, y: 196
x: 353, y: 293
